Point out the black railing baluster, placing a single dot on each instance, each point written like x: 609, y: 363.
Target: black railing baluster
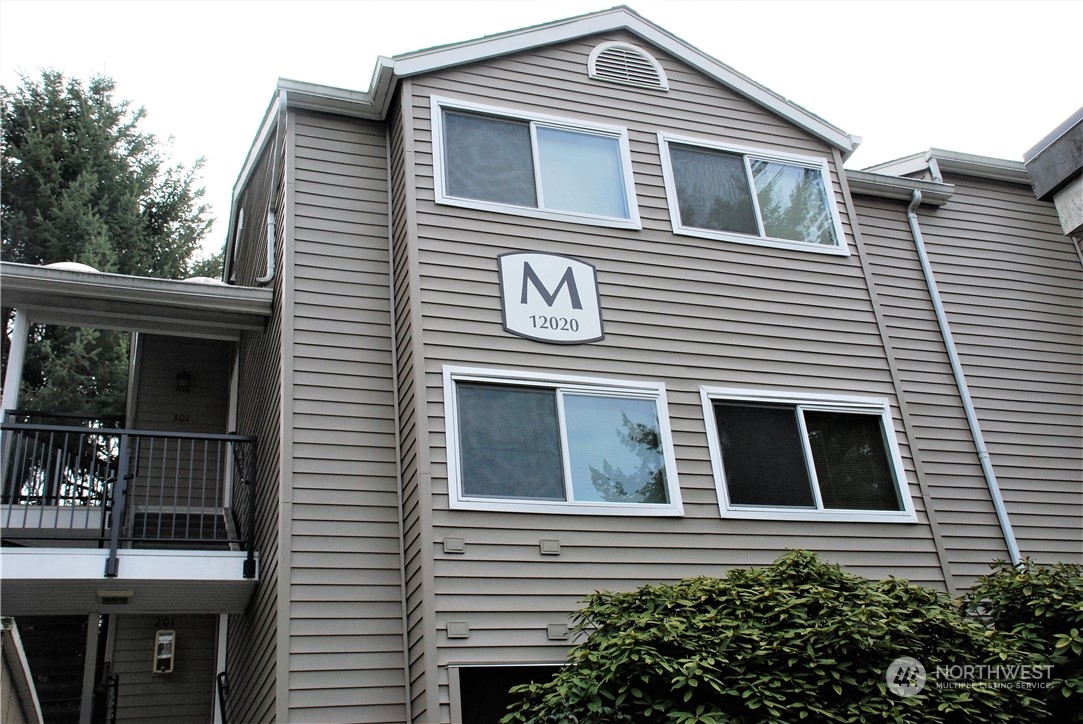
x: 120, y: 494
x: 62, y: 482
x: 114, y: 697
x: 250, y: 535
x: 223, y: 692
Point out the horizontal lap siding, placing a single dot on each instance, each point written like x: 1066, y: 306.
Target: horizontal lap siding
x: 345, y: 638
x: 1013, y: 290
x: 684, y: 311
x: 185, y: 695
x: 958, y: 492
x: 417, y: 592
x: 252, y: 648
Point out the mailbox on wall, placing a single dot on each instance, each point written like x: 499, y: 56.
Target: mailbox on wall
x: 165, y: 643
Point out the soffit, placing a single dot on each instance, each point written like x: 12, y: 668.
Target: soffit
x: 138, y: 304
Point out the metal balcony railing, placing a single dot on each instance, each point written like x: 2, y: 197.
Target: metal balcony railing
x: 91, y: 484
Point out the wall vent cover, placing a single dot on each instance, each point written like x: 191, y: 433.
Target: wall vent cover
x: 628, y: 65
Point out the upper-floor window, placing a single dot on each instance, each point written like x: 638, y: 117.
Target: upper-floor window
x: 740, y: 194
x: 532, y: 165
x: 782, y: 455
x: 544, y: 443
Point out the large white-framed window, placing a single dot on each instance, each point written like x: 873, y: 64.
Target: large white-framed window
x: 800, y: 456
x: 532, y: 165
x: 734, y: 193
x: 537, y: 442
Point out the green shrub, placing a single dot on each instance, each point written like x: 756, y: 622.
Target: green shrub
x: 1042, y: 606
x: 800, y: 640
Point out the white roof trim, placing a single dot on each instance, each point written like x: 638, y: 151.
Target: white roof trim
x: 119, y: 301
x: 376, y: 101
x: 895, y: 187
x: 938, y: 160
x: 620, y: 18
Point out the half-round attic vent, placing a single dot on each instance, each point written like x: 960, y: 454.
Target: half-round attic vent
x: 626, y: 64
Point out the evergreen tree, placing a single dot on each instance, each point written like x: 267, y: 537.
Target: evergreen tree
x: 80, y: 182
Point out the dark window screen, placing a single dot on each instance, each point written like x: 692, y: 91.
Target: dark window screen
x: 851, y: 461
x: 509, y: 442
x: 489, y: 159
x: 484, y: 690
x: 712, y: 190
x: 762, y: 455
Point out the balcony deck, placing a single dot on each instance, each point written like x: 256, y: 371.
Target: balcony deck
x: 93, y: 517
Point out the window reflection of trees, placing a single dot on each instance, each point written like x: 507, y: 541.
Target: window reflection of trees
x: 793, y: 203
x: 59, y: 468
x: 645, y: 484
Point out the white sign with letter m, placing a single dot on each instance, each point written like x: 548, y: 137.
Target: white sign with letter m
x: 550, y: 298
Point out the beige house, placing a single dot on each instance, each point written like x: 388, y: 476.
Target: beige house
x: 569, y: 308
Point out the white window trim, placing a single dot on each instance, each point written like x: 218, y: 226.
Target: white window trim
x: 664, y: 139
x: 655, y: 391
x: 833, y: 403
x: 439, y: 104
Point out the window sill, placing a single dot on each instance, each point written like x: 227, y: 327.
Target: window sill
x: 763, y: 241
x: 826, y: 516
x: 565, y: 508
x: 546, y: 214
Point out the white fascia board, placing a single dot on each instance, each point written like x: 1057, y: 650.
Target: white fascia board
x: 914, y: 163
x: 118, y: 301
x: 25, y: 281
x: 328, y: 99
x: 381, y: 85
x: 66, y: 564
x: 427, y: 61
x: 997, y: 169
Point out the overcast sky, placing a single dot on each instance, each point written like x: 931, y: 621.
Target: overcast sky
x: 989, y: 77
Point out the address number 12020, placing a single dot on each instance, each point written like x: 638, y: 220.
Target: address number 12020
x: 559, y: 324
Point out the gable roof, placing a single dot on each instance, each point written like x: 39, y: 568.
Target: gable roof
x: 603, y: 21
x: 375, y: 102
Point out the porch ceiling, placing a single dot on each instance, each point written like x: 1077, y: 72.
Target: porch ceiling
x: 137, y: 304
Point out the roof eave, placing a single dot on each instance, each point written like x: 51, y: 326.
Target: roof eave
x: 119, y: 301
x: 898, y: 188
x: 943, y: 161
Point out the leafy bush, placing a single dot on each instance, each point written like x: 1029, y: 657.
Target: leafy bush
x: 1042, y: 606
x: 799, y: 640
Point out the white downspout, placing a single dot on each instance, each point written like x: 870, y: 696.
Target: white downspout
x: 280, y: 132
x: 271, y: 233
x: 13, y: 378
x: 960, y: 381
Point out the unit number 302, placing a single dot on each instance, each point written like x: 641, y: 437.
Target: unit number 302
x: 560, y: 324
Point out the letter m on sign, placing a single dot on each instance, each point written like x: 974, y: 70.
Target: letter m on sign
x: 568, y: 280
x: 550, y: 298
